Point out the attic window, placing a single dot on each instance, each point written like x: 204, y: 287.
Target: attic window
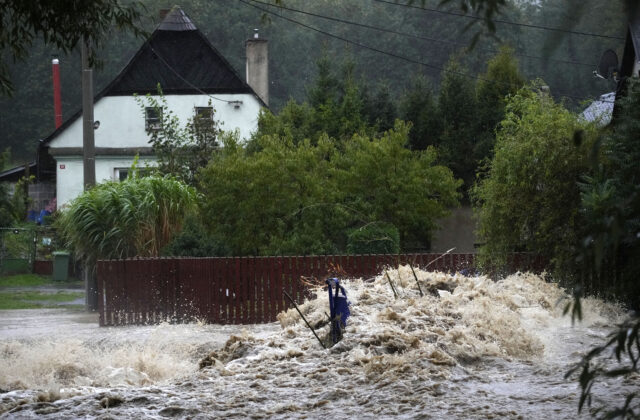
x: 153, y: 118
x: 204, y: 118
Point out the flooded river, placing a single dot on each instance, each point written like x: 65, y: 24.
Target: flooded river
x: 470, y: 348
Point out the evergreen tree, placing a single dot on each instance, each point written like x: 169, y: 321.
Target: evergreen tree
x: 379, y: 108
x: 419, y: 107
x: 501, y: 79
x: 459, y: 110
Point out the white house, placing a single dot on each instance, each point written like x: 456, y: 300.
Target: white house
x: 194, y: 78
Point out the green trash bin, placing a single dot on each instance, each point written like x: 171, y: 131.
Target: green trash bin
x: 60, y: 266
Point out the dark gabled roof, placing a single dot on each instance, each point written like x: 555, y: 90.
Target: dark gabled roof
x: 178, y: 57
x: 14, y: 174
x: 181, y: 59
x: 176, y: 20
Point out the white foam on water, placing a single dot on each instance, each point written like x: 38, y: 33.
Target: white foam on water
x: 470, y: 347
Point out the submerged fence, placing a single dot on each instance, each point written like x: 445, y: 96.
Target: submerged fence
x: 241, y: 290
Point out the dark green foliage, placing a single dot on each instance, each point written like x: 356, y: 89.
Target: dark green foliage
x: 60, y: 24
x: 336, y: 107
x: 278, y: 199
x: 379, y: 108
x: 135, y: 217
x: 610, y: 201
x: 19, y: 202
x: 374, y: 238
x: 182, y: 149
x: 528, y: 199
x: 501, y: 79
x: 288, y: 197
x: 609, y: 254
x: 385, y: 181
x: 324, y: 90
x: 6, y: 213
x: 458, y: 109
x: 194, y: 241
x: 419, y: 107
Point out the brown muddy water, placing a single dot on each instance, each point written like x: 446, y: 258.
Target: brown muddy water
x: 471, y: 348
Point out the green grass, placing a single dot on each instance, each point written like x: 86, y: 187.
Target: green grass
x: 35, y: 280
x: 36, y: 299
x: 24, y: 280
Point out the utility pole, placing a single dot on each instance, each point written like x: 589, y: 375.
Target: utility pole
x: 89, y: 166
x: 88, y: 143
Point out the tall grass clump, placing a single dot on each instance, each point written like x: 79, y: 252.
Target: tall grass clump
x: 135, y: 217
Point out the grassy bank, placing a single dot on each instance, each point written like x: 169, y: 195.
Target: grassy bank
x: 37, y: 299
x: 31, y: 291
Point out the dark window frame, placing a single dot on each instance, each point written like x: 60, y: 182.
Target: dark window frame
x: 152, y: 118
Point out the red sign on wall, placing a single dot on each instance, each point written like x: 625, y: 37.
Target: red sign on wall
x: 62, y: 166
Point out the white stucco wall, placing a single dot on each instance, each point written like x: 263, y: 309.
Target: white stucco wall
x: 122, y: 121
x: 122, y: 125
x: 70, y: 176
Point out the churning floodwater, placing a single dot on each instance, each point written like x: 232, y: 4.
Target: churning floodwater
x: 470, y: 348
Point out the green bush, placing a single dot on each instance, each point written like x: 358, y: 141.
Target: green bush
x: 194, y: 241
x: 528, y: 199
x: 288, y: 197
x: 135, y: 217
x: 374, y: 238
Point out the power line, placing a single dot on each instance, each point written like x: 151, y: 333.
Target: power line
x: 390, y: 54
x: 506, y: 22
x: 185, y: 80
x: 406, y: 34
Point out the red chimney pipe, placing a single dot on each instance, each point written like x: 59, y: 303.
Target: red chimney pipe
x: 57, y: 103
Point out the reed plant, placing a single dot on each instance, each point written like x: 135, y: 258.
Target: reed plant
x: 135, y: 217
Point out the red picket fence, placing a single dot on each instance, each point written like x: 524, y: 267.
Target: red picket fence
x: 240, y: 290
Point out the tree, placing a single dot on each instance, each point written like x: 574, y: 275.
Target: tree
x: 182, y: 150
x: 275, y: 200
x: 20, y: 200
x: 194, y: 241
x: 379, y: 108
x: 458, y: 108
x: 384, y: 181
x: 420, y: 108
x: 61, y: 24
x: 336, y: 107
x: 288, y: 197
x: 609, y: 253
x: 374, y: 238
x: 528, y: 197
x: 610, y: 202
x: 501, y: 79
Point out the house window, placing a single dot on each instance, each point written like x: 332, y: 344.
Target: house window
x: 203, y: 118
x: 120, y: 174
x: 153, y: 118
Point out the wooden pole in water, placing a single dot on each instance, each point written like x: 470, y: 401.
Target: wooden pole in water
x: 304, y: 319
x: 417, y: 282
x: 391, y: 284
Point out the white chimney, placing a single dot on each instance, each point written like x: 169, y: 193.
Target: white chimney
x: 258, y: 66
